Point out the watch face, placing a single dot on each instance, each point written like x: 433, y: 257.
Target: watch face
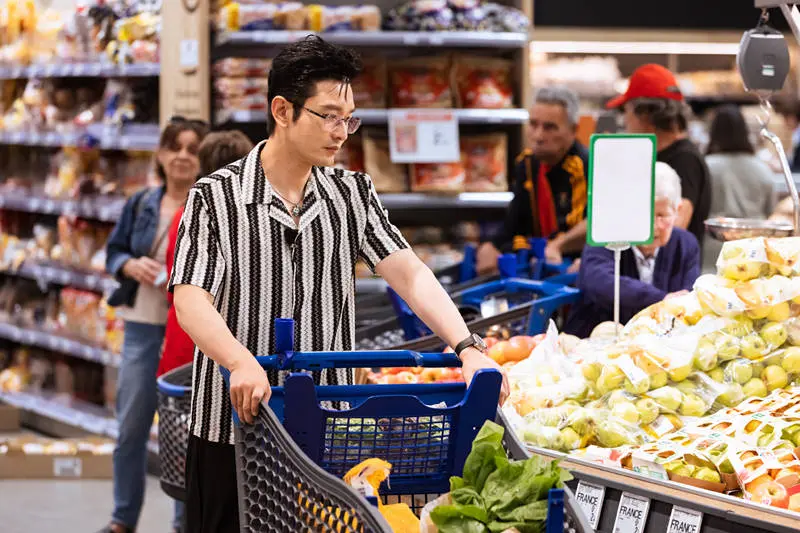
x: 479, y: 344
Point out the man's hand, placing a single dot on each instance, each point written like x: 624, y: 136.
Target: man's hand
x: 552, y: 253
x: 575, y: 267
x: 249, y: 387
x: 486, y: 259
x: 144, y: 270
x: 473, y: 360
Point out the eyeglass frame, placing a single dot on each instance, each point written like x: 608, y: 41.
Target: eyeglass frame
x: 326, y: 117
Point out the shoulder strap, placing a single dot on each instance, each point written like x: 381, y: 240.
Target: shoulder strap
x: 137, y: 209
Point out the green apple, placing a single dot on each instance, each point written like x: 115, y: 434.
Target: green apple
x: 692, y: 405
x: 774, y: 377
x: 733, y: 395
x: 570, y: 439
x: 638, y: 388
x: 779, y: 312
x: 774, y: 334
x: 726, y: 467
x: 791, y: 360
x: 626, y: 411
x: 758, y: 368
x: 738, y: 371
x: 717, y: 374
x: 648, y: 410
x: 616, y: 397
x: 687, y: 387
x: 658, y: 380
x: 610, y: 379
x: 679, y: 468
x: 680, y: 373
x: 707, y: 474
x: 669, y: 398
x: 705, y: 356
x: 738, y: 327
x: 611, y: 434
x: 728, y: 346
x: 753, y: 346
x: 755, y: 388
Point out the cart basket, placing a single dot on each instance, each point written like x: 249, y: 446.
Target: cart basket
x: 174, y: 410
x: 280, y: 490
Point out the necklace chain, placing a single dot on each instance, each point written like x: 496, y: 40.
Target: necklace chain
x: 296, y: 206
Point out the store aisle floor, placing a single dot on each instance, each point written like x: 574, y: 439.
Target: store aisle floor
x: 39, y: 506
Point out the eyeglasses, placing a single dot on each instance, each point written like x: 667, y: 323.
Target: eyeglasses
x: 331, y: 122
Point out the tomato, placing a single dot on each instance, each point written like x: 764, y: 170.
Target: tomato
x: 519, y: 349
x: 500, y: 351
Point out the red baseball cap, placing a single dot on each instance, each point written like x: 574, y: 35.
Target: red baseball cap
x: 649, y: 81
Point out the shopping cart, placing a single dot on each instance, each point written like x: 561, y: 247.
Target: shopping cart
x: 174, y: 410
x: 527, y: 305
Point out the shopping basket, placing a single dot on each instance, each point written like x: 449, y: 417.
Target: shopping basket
x: 174, y: 409
x: 531, y: 304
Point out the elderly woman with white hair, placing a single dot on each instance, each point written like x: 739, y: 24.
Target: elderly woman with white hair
x: 667, y: 267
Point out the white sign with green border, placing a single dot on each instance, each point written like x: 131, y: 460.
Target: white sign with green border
x: 621, y: 189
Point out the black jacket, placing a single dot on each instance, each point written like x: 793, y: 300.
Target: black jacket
x: 569, y: 185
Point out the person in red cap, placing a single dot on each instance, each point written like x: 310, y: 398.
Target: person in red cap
x: 653, y: 103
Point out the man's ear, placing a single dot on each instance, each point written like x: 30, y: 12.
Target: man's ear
x: 282, y: 111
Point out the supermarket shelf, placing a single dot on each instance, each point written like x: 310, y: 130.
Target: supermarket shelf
x: 131, y: 137
x: 64, y: 417
x: 73, y: 70
x: 721, y: 513
x: 464, y: 200
x: 381, y: 116
x: 455, y: 39
x: 54, y: 274
x: 101, y: 208
x: 57, y: 343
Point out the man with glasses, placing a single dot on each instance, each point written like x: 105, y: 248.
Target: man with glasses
x: 668, y: 267
x: 277, y: 235
x: 550, y: 184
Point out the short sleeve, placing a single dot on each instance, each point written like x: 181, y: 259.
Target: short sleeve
x: 381, y: 238
x: 692, y: 174
x: 198, y: 260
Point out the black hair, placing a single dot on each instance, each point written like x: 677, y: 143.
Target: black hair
x: 729, y: 133
x: 664, y: 114
x: 299, y: 66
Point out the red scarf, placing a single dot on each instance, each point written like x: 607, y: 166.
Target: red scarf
x: 548, y: 223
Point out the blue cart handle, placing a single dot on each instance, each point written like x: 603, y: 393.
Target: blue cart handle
x: 475, y: 294
x: 358, y: 359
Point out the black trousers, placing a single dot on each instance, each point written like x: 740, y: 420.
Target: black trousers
x: 212, y: 504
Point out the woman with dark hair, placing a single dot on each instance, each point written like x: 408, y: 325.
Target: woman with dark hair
x: 136, y: 257
x: 741, y: 184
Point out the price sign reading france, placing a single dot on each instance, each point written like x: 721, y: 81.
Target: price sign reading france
x: 423, y: 136
x: 590, y: 498
x: 683, y: 520
x: 631, y: 514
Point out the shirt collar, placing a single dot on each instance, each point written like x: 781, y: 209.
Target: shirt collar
x: 641, y: 258
x: 256, y: 188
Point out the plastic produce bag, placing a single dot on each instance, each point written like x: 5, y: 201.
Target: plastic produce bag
x: 546, y: 378
x: 748, y: 259
x: 757, y: 298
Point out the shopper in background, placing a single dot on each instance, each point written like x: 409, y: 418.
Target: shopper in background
x: 136, y: 256
x: 278, y: 234
x: 550, y: 184
x: 217, y: 150
x: 653, y: 103
x: 669, y: 266
x: 741, y: 184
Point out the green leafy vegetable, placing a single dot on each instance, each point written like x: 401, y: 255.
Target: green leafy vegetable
x: 496, y: 494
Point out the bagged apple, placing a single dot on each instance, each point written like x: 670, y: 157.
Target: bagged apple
x: 743, y: 260
x: 599, y: 426
x: 783, y: 255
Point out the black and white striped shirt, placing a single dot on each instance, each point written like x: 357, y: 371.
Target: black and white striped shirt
x: 238, y: 242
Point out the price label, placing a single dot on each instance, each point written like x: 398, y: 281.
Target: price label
x: 410, y: 39
x: 683, y: 520
x: 423, y: 136
x: 590, y: 498
x: 631, y: 514
x: 67, y: 467
x: 189, y: 53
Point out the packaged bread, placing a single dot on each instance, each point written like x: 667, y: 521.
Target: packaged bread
x: 228, y: 87
x: 421, y: 82
x: 438, y: 177
x: 386, y: 175
x: 369, y: 88
x: 242, y: 67
x: 261, y: 17
x: 343, y: 18
x: 483, y: 82
x: 484, y: 160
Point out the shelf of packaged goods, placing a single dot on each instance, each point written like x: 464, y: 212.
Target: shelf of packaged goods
x: 65, y: 417
x: 58, y: 343
x: 95, y: 69
x: 54, y: 274
x: 452, y: 39
x: 372, y: 117
x: 464, y: 200
x: 104, y: 209
x: 141, y: 137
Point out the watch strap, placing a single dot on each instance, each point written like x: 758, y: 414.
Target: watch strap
x: 463, y: 345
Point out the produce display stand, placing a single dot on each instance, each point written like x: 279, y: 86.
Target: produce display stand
x: 661, y: 502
